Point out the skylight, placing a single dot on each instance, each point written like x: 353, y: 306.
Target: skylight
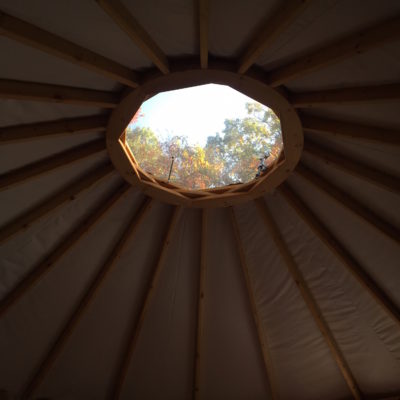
x: 204, y: 137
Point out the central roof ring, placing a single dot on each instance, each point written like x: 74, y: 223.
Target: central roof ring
x: 184, y: 77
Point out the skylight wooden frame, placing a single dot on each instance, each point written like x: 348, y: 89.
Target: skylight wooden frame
x: 184, y: 77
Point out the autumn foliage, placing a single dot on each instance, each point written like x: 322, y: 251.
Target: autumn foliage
x: 229, y: 157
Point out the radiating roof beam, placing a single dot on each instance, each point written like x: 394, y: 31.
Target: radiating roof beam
x: 32, y: 91
x: 356, y: 43
x: 86, y: 300
x: 272, y: 27
x: 269, y: 369
x: 138, y: 322
x: 349, y: 202
x: 39, y: 130
x: 67, y: 194
x: 203, y: 15
x: 353, y: 167
x: 200, y: 306
x: 126, y: 21
x: 54, y: 45
x: 46, y: 165
x: 360, y: 132
x: 359, y: 94
x: 308, y: 297
x: 66, y: 243
x: 338, y: 249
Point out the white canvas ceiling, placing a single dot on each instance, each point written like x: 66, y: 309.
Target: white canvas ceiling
x: 300, y: 362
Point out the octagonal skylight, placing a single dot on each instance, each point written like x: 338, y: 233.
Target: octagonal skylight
x: 205, y: 136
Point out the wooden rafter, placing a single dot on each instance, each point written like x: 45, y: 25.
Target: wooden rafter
x: 38, y: 38
x: 356, y: 168
x: 347, y: 129
x: 200, y: 305
x: 271, y: 29
x: 63, y: 247
x: 85, y: 301
x: 48, y: 164
x: 371, y: 94
x: 203, y: 15
x: 139, y: 320
x: 69, y: 193
x: 32, y: 91
x: 38, y: 130
x: 258, y: 323
x: 308, y: 297
x: 127, y: 22
x: 354, y: 44
x: 338, y: 249
x: 349, y: 202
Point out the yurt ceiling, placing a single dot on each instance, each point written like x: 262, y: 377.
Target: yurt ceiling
x: 107, y: 291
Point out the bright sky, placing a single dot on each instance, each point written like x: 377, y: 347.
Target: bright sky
x: 196, y: 112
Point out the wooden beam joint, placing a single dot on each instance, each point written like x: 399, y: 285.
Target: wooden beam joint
x: 126, y: 21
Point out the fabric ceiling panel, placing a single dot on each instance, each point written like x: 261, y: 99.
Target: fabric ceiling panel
x: 42, y: 311
x: 35, y: 190
x: 116, y: 306
x: 175, y: 35
x: 232, y: 25
x: 310, y: 32
x: 44, y: 68
x: 92, y: 27
x: 298, y: 351
x: 194, y: 336
x: 367, y: 337
x: 233, y: 365
x: 383, y: 114
x: 380, y: 156
x: 162, y: 364
x: 360, y: 70
x: 376, y: 198
x: 17, y: 112
x: 32, y: 151
x: 382, y: 265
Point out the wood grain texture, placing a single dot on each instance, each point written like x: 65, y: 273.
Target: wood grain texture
x: 66, y: 243
x: 271, y: 28
x: 54, y: 45
x: 32, y: 91
x: 346, y: 95
x: 86, y: 300
x: 340, y: 251
x: 201, y: 298
x: 349, y: 202
x: 357, y: 168
x: 261, y: 334
x: 356, y: 43
x: 138, y: 322
x: 48, y: 164
x: 127, y: 22
x: 361, y: 132
x: 67, y: 194
x: 308, y: 297
x: 43, y: 130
